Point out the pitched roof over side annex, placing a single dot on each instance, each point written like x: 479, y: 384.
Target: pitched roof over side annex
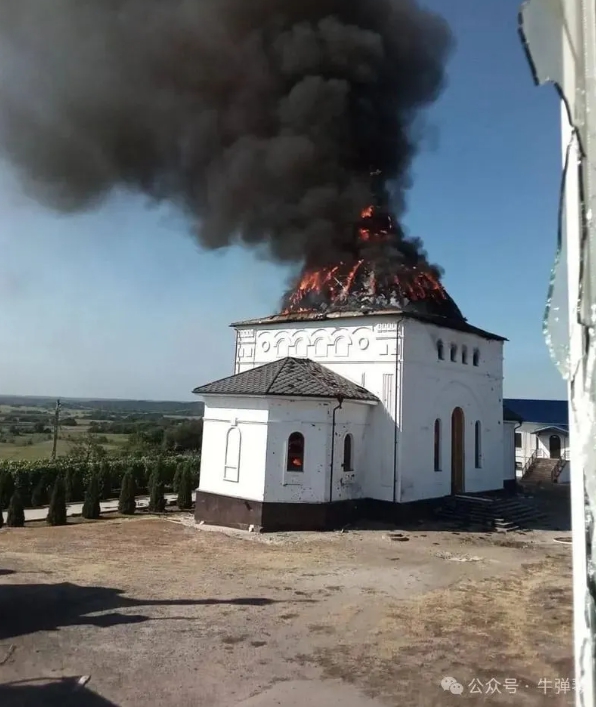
x: 289, y: 377
x: 541, y: 412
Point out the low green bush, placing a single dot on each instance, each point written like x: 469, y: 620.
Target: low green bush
x: 185, y: 489
x: 91, y: 507
x: 157, y: 501
x: 40, y: 496
x: 30, y: 476
x: 127, y: 504
x: 57, y: 509
x: 16, y: 511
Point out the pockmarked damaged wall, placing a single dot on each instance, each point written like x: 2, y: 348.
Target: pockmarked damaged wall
x: 245, y: 449
x: 431, y: 390
x: 314, y: 420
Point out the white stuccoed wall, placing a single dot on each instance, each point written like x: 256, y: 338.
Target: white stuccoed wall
x: 315, y: 421
x: 250, y: 416
x: 264, y: 427
x: 431, y: 389
x: 509, y: 429
x: 363, y: 350
x: 396, y: 359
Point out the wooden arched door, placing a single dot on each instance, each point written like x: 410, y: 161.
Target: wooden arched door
x: 458, y: 460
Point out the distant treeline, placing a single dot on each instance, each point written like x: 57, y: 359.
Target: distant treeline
x: 170, y: 435
x: 192, y: 409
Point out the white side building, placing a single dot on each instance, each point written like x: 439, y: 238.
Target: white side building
x: 331, y: 415
x: 543, y: 435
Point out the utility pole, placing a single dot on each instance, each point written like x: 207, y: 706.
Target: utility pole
x: 56, y: 428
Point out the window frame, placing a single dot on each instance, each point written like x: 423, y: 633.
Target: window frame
x: 289, y: 467
x: 453, y: 353
x: 476, y: 358
x: 478, y: 445
x: 518, y: 435
x: 437, y: 440
x: 348, y: 441
x: 234, y: 477
x: 441, y: 350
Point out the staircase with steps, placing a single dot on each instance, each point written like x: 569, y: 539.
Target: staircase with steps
x: 542, y: 471
x: 490, y: 513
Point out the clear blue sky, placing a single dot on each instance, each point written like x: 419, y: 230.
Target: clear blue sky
x: 121, y: 302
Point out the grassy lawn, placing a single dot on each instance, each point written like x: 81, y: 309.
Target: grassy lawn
x: 42, y: 448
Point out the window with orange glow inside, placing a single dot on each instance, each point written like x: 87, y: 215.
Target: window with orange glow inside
x: 295, y: 452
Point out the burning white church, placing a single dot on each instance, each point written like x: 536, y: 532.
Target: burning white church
x: 365, y: 395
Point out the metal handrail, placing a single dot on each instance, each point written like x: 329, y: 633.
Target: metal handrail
x: 558, y: 470
x: 541, y: 454
x: 529, y: 463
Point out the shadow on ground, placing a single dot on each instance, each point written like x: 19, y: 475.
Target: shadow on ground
x: 28, y: 608
x: 65, y: 692
x: 532, y: 507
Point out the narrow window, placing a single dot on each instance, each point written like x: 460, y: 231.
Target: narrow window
x: 518, y: 440
x: 477, y: 446
x: 295, y: 452
x: 232, y: 462
x: 464, y: 355
x: 437, y: 445
x: 476, y: 357
x: 348, y: 464
x: 440, y: 351
x: 453, y: 353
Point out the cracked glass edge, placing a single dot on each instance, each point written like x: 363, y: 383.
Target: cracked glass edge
x: 544, y: 29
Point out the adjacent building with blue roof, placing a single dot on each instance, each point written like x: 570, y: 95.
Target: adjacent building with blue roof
x: 543, y: 432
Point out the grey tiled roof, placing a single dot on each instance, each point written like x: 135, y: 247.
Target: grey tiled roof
x: 289, y: 377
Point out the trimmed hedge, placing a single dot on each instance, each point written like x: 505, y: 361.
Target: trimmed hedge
x: 31, y: 477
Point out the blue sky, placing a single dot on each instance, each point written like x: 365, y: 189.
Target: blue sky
x: 122, y: 303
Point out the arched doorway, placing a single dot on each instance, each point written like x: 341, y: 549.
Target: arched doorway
x: 458, y: 463
x: 554, y: 445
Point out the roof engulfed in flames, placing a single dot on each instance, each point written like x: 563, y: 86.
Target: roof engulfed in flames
x: 380, y: 276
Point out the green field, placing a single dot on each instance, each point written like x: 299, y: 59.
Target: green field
x: 26, y: 425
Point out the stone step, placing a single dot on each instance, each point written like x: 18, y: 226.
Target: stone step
x: 495, y: 513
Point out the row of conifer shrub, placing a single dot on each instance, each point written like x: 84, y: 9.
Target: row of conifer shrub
x: 127, y: 503
x: 35, y: 479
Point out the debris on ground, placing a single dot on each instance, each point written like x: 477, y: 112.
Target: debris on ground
x: 458, y: 558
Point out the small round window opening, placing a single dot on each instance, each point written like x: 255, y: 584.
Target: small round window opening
x: 476, y: 357
x: 440, y: 351
x: 453, y: 353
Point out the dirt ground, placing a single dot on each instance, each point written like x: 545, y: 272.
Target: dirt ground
x: 155, y: 612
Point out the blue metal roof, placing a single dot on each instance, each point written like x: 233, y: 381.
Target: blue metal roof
x: 541, y: 412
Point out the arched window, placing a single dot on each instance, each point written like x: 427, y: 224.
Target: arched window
x: 478, y: 445
x: 440, y: 351
x: 437, y: 445
x: 476, y: 357
x: 453, y: 353
x: 348, y: 464
x: 295, y: 460
x: 464, y: 355
x: 232, y: 460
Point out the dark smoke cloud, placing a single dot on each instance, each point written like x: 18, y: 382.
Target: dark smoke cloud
x: 261, y: 119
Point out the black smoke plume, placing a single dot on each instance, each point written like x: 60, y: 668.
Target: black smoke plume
x: 261, y: 119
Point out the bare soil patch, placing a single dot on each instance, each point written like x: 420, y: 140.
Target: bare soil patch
x: 157, y: 612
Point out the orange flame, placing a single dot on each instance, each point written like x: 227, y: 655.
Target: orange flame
x: 337, y: 281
